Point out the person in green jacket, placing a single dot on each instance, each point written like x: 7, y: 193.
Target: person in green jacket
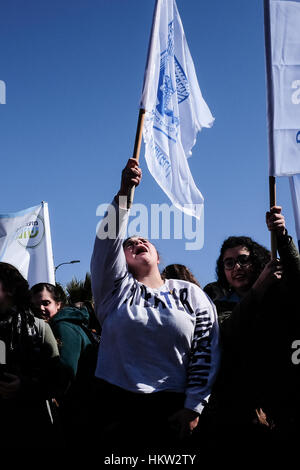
x: 77, y: 352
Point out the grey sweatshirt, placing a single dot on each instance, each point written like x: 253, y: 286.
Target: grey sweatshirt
x: 152, y: 339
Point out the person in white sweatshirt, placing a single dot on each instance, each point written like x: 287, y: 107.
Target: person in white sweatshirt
x: 159, y: 348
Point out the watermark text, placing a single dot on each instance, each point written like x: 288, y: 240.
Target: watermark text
x: 160, y: 221
x: 296, y: 354
x: 154, y: 459
x: 2, y: 92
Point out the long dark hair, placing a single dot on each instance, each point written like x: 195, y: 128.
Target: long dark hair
x: 56, y: 291
x: 179, y: 271
x: 16, y: 285
x: 260, y: 256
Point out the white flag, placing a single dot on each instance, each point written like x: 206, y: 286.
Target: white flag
x: 25, y: 242
x: 282, y: 26
x: 295, y: 191
x: 175, y: 109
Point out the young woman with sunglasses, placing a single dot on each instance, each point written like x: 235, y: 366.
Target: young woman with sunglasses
x: 159, y: 352
x: 257, y: 301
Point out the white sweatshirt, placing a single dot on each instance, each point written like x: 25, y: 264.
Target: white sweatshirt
x: 152, y: 339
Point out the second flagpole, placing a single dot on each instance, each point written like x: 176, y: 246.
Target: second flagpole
x: 272, y: 192
x: 272, y: 181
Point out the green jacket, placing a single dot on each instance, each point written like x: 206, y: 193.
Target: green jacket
x: 73, y: 342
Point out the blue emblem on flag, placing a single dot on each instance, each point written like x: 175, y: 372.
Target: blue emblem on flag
x: 166, y: 120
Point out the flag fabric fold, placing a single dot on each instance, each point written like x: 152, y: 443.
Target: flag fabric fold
x: 25, y: 242
x: 175, y: 109
x: 282, y: 32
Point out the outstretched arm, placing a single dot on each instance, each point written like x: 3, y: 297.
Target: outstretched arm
x: 275, y: 221
x: 108, y: 264
x: 273, y: 270
x: 131, y: 176
x: 289, y: 254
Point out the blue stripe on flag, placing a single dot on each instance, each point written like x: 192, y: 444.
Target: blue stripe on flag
x: 19, y: 213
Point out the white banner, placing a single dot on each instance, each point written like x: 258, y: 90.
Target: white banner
x: 25, y: 242
x: 282, y: 26
x: 295, y: 192
x: 175, y: 109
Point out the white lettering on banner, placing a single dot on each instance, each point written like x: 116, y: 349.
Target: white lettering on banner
x: 296, y: 94
x: 2, y: 92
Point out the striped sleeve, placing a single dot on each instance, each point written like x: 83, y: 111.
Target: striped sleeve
x: 204, y: 359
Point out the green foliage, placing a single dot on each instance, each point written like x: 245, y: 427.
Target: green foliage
x: 79, y: 291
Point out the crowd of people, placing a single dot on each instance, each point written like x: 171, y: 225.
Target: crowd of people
x: 157, y: 361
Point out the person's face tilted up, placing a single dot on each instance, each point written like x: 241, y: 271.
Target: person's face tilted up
x: 140, y: 254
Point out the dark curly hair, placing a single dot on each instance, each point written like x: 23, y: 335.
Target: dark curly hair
x: 56, y: 291
x: 179, y: 271
x: 16, y: 285
x: 260, y: 256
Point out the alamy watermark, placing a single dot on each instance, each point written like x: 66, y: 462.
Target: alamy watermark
x: 2, y: 92
x: 296, y: 354
x: 157, y: 222
x: 150, y: 459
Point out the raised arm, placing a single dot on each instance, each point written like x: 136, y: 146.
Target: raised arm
x: 108, y: 265
x: 289, y: 254
x: 288, y: 267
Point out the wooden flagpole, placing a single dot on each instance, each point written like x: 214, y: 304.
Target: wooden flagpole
x: 270, y: 106
x: 272, y: 190
x: 136, y: 151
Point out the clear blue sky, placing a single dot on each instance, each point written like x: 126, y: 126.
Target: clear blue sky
x: 74, y: 72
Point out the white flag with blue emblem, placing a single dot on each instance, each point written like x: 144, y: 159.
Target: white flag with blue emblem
x: 175, y: 109
x: 25, y: 242
x: 295, y: 191
x: 282, y: 25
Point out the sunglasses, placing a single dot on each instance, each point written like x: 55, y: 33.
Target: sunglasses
x: 242, y: 260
